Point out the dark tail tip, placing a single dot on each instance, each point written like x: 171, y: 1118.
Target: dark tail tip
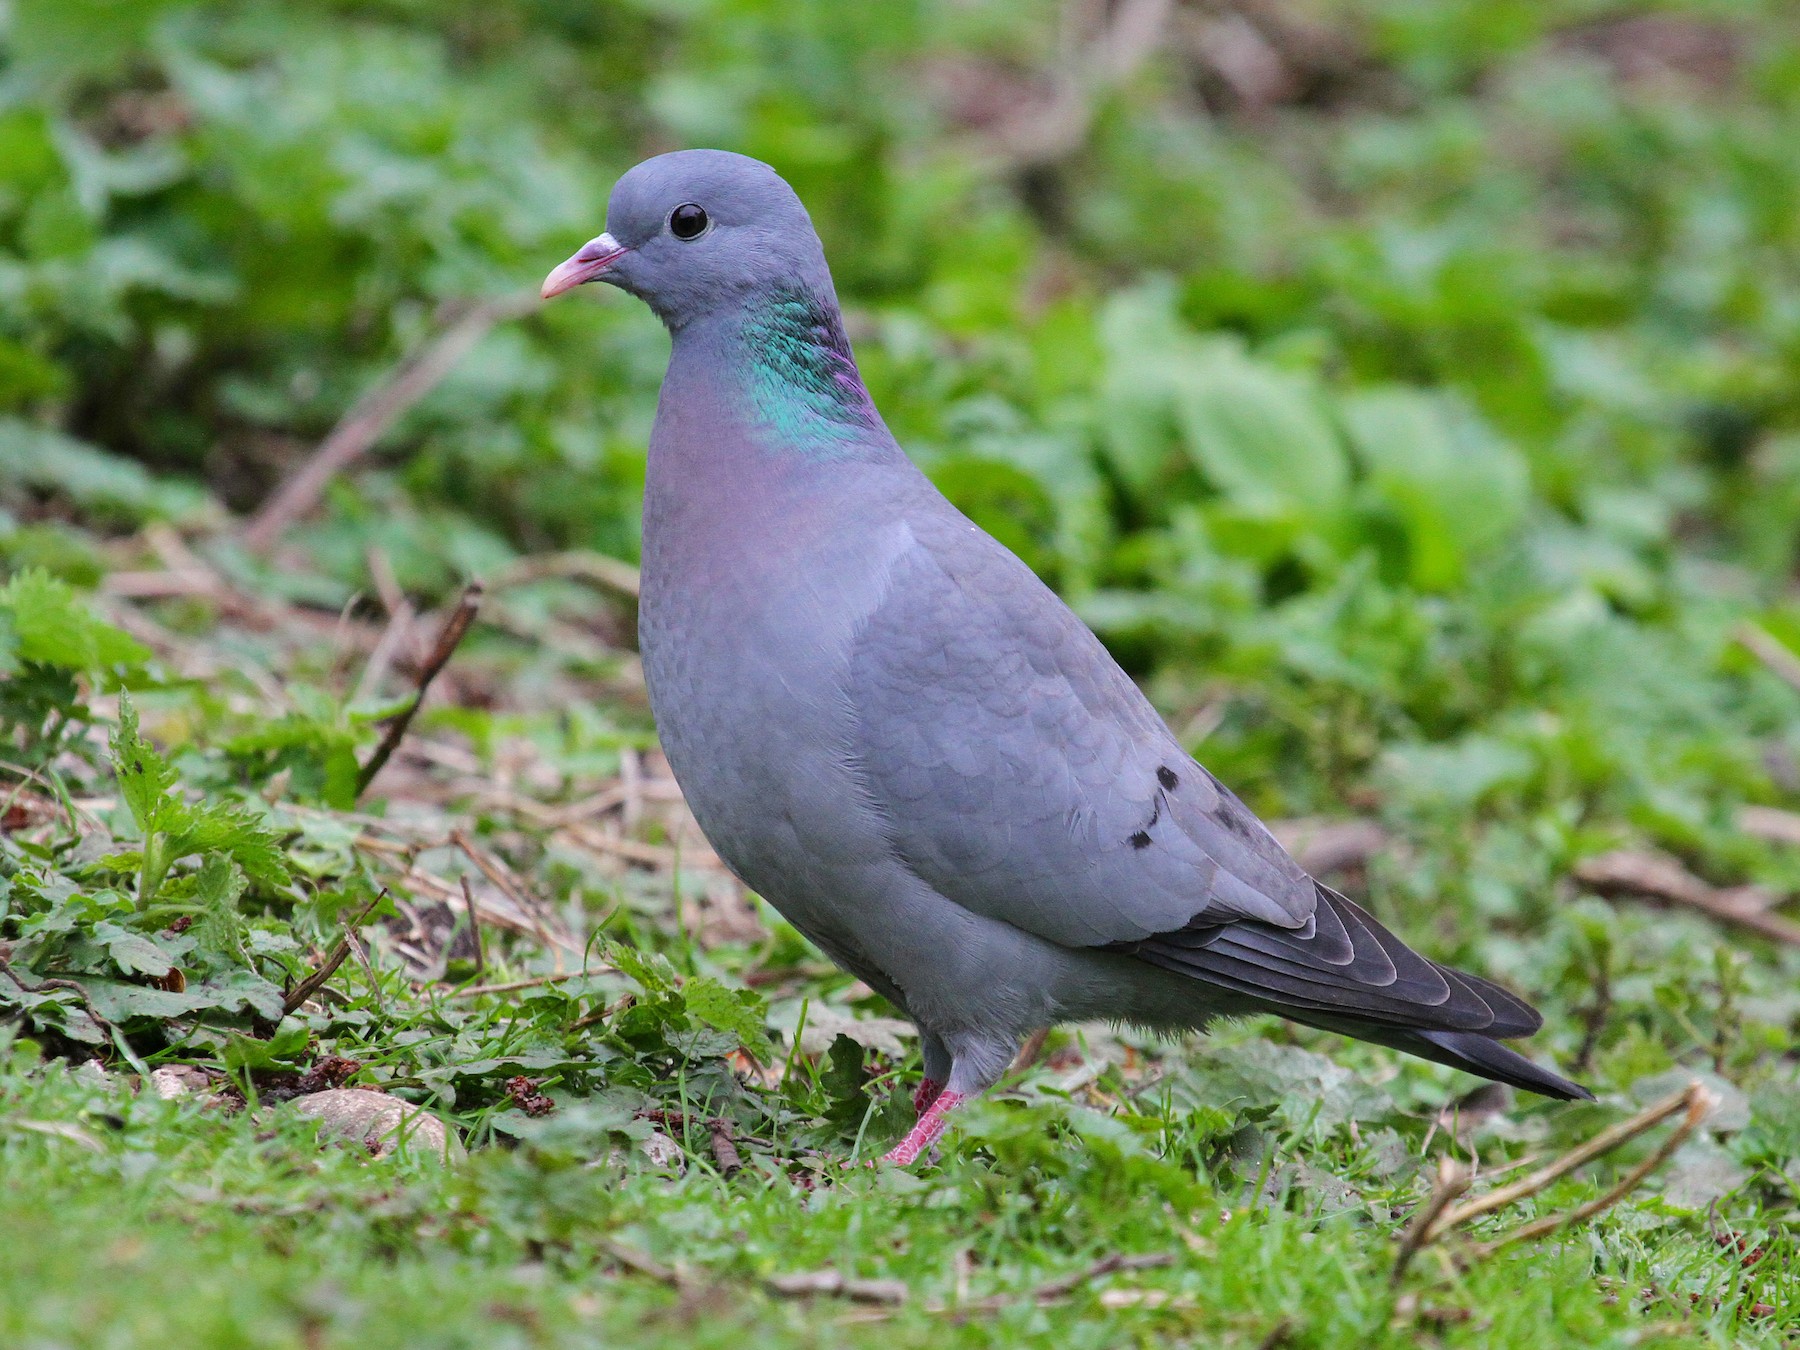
x: 1483, y: 1055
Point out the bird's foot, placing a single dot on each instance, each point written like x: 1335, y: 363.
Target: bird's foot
x: 925, y: 1094
x: 926, y: 1132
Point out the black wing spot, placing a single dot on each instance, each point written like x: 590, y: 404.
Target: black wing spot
x: 1141, y: 839
x: 1166, y: 776
x: 1234, y: 818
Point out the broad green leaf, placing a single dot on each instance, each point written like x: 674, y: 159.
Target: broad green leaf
x: 740, y: 1012
x: 1261, y: 436
x: 280, y: 1050
x: 651, y: 970
x: 1456, y: 488
x: 220, y: 928
x: 133, y: 953
x: 219, y: 827
x: 51, y: 625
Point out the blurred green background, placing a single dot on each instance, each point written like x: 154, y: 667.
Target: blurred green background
x: 1410, y: 392
x: 1407, y: 390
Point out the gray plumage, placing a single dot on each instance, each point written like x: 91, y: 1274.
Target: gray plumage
x: 892, y: 730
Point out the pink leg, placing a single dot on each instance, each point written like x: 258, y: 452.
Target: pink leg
x: 925, y: 1094
x: 926, y: 1132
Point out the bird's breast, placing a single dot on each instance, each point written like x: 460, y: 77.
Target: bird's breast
x: 746, y: 620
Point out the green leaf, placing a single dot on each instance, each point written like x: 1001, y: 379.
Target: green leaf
x: 651, y: 970
x: 118, y: 1001
x: 1260, y: 435
x: 1456, y: 488
x: 279, y: 1051
x: 220, y: 928
x: 741, y: 1012
x: 108, y: 485
x: 52, y: 626
x: 219, y: 827
x: 145, y: 777
x: 132, y: 953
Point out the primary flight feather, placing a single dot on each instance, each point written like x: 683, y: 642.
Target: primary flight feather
x: 891, y: 729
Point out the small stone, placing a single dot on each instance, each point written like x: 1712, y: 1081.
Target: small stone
x: 662, y: 1151
x: 382, y: 1123
x: 178, y: 1080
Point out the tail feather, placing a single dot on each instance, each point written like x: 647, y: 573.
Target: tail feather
x: 1474, y: 1053
x: 1485, y: 1056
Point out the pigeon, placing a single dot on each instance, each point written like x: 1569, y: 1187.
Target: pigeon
x: 887, y: 725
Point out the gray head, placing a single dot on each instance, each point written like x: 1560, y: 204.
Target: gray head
x: 696, y: 231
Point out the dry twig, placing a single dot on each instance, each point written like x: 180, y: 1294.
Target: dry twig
x: 812, y: 1283
x: 1654, y: 874
x: 1698, y: 1101
x: 374, y: 413
x: 575, y: 565
x: 1439, y: 1217
x: 1770, y: 823
x: 474, y: 913
x: 452, y: 633
x: 1777, y: 657
x: 333, y: 959
x: 1452, y: 1180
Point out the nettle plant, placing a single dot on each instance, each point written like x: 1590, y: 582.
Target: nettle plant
x: 152, y: 935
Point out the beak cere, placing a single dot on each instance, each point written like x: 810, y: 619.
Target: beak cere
x: 590, y: 260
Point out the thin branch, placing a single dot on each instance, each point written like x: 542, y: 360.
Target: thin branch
x: 576, y: 565
x: 1777, y: 657
x: 452, y: 633
x: 1053, y: 1290
x: 416, y: 376
x: 1699, y: 1102
x: 1693, y: 1098
x: 1654, y: 874
x: 512, y: 985
x: 333, y: 959
x: 1452, y: 1180
x: 474, y: 914
x: 813, y: 1283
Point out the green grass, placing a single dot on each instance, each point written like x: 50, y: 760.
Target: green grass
x: 136, y: 1221
x: 1417, y: 423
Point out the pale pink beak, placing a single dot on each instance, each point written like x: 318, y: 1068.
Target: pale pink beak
x: 590, y: 260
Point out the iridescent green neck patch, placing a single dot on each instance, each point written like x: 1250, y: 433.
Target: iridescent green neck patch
x: 803, y: 380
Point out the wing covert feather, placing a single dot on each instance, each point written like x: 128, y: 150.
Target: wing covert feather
x: 1027, y: 778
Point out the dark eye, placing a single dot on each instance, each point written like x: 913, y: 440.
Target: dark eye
x: 687, y: 221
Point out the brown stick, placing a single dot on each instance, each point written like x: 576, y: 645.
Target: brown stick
x: 1452, y: 1180
x: 372, y: 414
x: 1699, y: 1102
x: 333, y: 959
x: 812, y: 1283
x: 1052, y: 1290
x: 1658, y: 875
x: 508, y: 886
x: 1693, y: 1098
x: 641, y: 1263
x: 512, y: 986
x: 1771, y: 823
x: 474, y: 914
x: 452, y: 633
x: 1777, y: 657
x: 575, y: 565
x: 724, y: 1146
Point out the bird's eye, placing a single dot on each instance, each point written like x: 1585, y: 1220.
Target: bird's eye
x: 688, y: 221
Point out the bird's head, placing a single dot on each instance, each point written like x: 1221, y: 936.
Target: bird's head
x: 697, y: 230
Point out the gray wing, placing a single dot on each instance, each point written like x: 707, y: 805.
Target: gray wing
x: 1023, y: 774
